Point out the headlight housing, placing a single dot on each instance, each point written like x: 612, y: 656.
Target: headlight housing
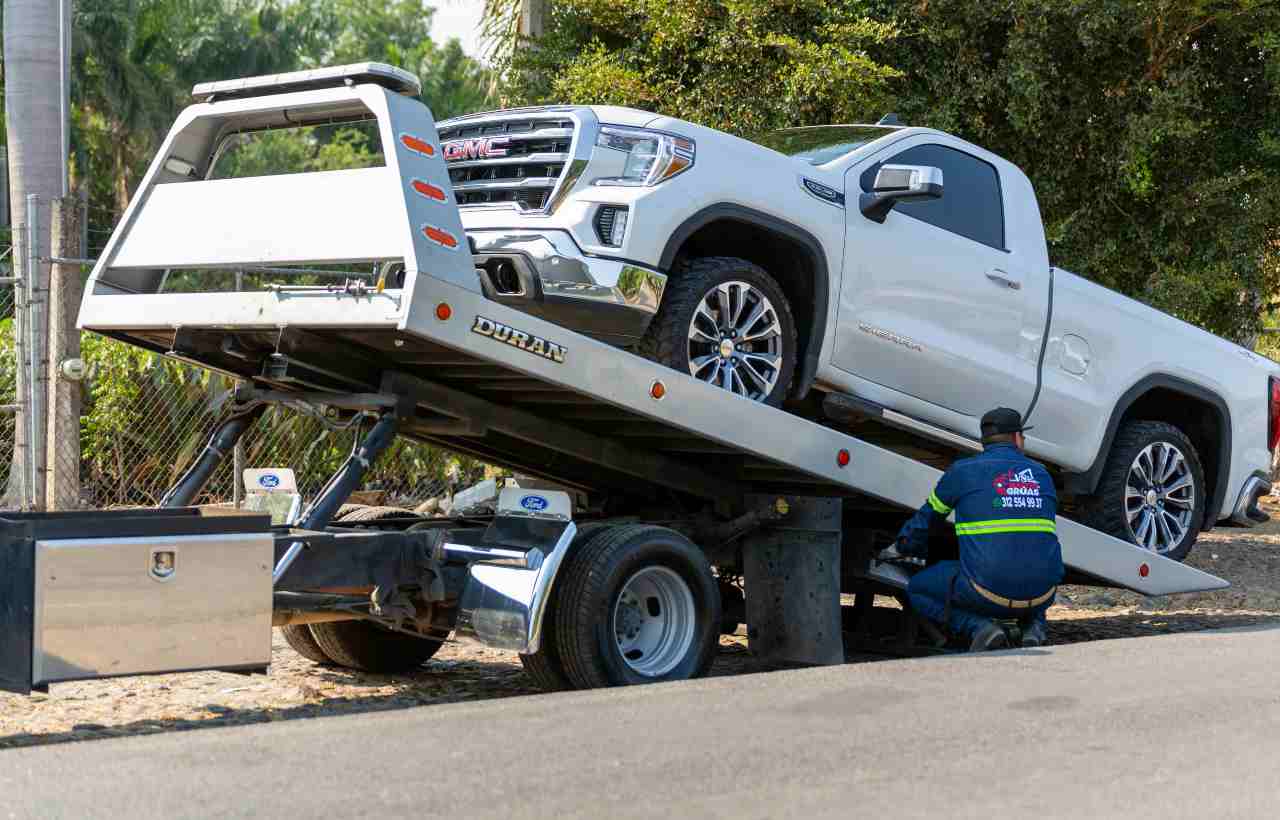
x: 652, y: 156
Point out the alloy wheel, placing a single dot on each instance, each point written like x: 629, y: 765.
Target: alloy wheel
x: 735, y: 341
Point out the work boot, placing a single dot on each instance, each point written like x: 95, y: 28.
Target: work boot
x: 991, y: 637
x: 1033, y: 635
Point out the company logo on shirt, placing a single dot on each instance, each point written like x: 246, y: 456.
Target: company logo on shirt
x: 1016, y: 489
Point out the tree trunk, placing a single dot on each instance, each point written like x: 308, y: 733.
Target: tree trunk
x: 33, y: 120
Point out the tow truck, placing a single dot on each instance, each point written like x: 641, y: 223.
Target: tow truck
x: 670, y: 510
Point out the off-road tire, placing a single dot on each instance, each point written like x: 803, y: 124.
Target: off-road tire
x: 589, y: 584
x: 370, y: 648
x: 370, y: 515
x: 300, y: 640
x: 348, y: 509
x: 1104, y: 509
x: 544, y: 667
x: 667, y: 339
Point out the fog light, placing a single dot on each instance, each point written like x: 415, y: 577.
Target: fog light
x: 611, y: 225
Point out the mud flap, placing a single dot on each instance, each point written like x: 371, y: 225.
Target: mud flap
x: 792, y: 578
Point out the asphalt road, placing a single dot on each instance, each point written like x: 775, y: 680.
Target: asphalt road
x: 1177, y: 726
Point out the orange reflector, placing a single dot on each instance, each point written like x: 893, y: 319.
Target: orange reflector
x: 843, y: 458
x: 657, y: 390
x: 1144, y: 570
x: 444, y: 312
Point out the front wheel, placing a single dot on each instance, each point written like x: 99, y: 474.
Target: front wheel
x: 1152, y: 490
x: 726, y: 321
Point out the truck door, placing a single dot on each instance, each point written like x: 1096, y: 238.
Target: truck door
x: 932, y: 303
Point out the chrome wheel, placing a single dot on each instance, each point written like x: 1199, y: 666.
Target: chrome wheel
x: 735, y: 341
x: 1159, y: 497
x: 653, y: 621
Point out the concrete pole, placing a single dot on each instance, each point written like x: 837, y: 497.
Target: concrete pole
x: 533, y: 13
x: 62, y: 454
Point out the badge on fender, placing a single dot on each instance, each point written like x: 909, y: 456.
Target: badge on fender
x: 518, y: 338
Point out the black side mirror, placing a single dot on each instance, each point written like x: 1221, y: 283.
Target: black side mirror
x: 900, y: 183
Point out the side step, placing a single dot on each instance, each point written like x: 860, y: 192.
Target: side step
x: 849, y: 409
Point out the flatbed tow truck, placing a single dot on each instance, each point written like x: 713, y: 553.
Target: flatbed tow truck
x: 694, y: 494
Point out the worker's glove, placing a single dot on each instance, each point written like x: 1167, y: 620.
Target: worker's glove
x: 892, y: 553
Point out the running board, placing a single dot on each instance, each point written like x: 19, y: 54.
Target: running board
x: 850, y: 409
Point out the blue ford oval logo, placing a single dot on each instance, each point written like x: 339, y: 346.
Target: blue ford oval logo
x: 534, y: 503
x: 269, y: 480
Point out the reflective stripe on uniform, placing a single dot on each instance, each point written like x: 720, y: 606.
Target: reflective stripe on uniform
x: 1006, y: 525
x: 938, y: 506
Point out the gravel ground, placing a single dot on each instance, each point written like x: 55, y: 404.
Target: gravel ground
x: 296, y: 688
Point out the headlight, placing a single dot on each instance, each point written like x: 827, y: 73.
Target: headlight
x: 652, y: 156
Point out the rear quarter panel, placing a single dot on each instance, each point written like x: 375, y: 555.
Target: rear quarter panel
x: 1126, y: 342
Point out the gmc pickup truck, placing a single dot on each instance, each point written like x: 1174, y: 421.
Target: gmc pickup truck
x: 894, y: 274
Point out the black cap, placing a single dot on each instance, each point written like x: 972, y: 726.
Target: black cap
x: 1002, y: 420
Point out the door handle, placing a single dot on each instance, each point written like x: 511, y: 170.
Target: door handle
x: 1001, y: 278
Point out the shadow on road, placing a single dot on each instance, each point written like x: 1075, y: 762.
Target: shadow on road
x: 296, y: 689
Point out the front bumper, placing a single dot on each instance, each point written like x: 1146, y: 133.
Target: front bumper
x: 543, y: 273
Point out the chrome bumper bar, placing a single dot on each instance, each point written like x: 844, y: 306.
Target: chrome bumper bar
x: 549, y: 276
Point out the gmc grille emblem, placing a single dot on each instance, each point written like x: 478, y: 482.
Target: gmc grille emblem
x: 480, y: 148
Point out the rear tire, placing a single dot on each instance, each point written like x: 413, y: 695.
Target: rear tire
x: 370, y: 648
x: 638, y: 605
x: 544, y: 667
x: 377, y: 515
x: 1127, y: 496
x: 300, y: 640
x: 692, y: 321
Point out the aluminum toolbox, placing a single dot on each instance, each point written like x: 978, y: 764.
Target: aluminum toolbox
x: 167, y: 590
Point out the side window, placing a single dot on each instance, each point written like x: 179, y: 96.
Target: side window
x: 970, y: 205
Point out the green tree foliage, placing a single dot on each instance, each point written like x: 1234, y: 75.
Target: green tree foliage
x: 1151, y: 128
x: 741, y: 65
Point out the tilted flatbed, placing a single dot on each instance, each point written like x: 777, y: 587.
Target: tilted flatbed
x: 760, y: 490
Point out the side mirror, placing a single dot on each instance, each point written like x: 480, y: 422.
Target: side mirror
x: 900, y: 183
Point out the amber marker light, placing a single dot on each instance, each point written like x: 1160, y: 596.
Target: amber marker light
x: 443, y: 312
x: 657, y: 390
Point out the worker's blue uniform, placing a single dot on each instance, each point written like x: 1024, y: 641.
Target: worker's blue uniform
x: 1005, y: 508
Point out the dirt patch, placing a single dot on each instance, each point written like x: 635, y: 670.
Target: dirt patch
x: 296, y: 688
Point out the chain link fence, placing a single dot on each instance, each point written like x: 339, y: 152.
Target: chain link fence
x: 135, y: 420
x: 9, y: 405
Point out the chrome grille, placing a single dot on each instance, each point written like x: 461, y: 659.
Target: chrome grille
x: 536, y: 153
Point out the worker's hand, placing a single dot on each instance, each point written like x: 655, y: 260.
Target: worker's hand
x: 894, y: 553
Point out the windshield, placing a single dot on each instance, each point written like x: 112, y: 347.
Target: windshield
x: 820, y: 144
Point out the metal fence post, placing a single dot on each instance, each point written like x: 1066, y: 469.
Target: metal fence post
x: 35, y: 357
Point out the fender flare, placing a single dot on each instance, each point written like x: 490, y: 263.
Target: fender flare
x: 1087, y: 482
x: 808, y: 368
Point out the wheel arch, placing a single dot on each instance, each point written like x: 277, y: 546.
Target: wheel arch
x: 788, y: 252
x: 1199, y: 412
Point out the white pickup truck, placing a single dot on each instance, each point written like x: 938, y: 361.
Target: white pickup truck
x: 902, y: 271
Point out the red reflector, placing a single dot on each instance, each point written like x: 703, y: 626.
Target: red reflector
x: 440, y: 237
x: 1273, y: 414
x: 842, y: 458
x: 444, y: 312
x: 657, y: 390
x: 417, y: 145
x: 428, y: 190
x: 1144, y: 570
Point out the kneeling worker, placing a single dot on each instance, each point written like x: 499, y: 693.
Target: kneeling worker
x: 1010, y: 559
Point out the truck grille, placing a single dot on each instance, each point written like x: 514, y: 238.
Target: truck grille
x: 517, y: 160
